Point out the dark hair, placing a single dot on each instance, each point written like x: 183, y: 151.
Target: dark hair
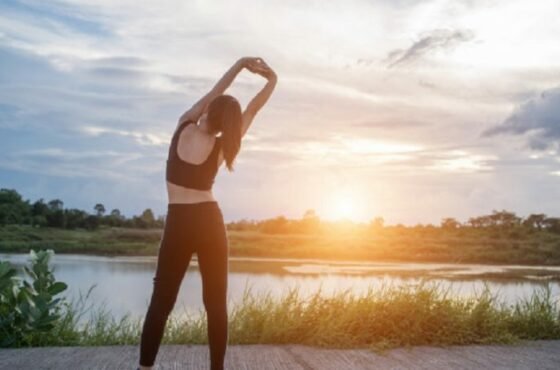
x: 224, y: 115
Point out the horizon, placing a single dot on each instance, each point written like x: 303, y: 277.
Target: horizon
x: 410, y: 111
x: 343, y: 220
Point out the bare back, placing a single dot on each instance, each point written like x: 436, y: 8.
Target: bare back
x: 194, y: 146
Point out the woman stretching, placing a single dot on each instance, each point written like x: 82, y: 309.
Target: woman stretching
x: 194, y: 222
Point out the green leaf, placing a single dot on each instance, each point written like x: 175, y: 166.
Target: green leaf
x: 29, y: 272
x: 41, y: 302
x: 15, y: 291
x: 6, y: 282
x: 53, y: 303
x: 6, y: 270
x: 57, y: 288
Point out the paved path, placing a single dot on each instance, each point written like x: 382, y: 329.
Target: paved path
x: 528, y: 355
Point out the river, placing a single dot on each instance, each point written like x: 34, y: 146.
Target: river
x: 124, y: 284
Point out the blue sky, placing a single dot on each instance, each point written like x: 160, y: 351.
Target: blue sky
x: 410, y: 110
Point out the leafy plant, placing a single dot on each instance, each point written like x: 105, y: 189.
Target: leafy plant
x: 29, y: 310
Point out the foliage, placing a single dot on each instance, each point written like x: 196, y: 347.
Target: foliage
x: 29, y: 311
x: 383, y: 317
x: 15, y: 211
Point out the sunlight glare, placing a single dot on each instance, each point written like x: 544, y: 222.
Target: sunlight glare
x: 343, y: 206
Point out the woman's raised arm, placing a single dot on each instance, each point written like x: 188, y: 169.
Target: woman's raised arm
x: 262, y: 96
x: 198, y: 108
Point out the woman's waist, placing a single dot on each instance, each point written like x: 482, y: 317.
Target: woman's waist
x: 180, y: 194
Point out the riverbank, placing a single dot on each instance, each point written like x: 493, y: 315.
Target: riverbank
x: 541, y: 355
x: 384, y: 316
x: 407, y: 245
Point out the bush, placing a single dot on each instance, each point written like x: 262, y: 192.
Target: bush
x: 29, y: 311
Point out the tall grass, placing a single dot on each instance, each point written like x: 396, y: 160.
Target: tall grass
x: 380, y: 318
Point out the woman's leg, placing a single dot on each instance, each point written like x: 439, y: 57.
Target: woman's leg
x: 213, y: 265
x: 173, y: 259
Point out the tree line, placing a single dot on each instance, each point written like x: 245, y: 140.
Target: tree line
x: 497, y: 221
x: 15, y: 210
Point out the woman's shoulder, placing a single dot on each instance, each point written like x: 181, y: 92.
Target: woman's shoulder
x: 185, y: 124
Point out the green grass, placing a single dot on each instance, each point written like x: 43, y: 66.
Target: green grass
x: 362, y: 244
x: 105, y: 241
x: 383, y: 318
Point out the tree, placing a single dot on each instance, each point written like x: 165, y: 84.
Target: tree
x: 277, y: 225
x: 310, y: 221
x: 160, y: 221
x: 99, y: 209
x: 115, y: 218
x: 9, y: 196
x: 242, y: 225
x: 475, y: 222
x: 148, y: 217
x: 504, y: 218
x: 552, y: 224
x: 145, y: 220
x: 75, y: 218
x: 55, y: 217
x: 535, y: 221
x: 449, y: 223
x: 56, y: 205
x: 91, y: 222
x: 13, y: 209
x: 39, y: 212
x: 377, y: 223
x: 309, y: 214
x: 9, y: 215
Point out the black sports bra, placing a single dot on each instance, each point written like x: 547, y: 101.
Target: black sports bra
x: 195, y: 176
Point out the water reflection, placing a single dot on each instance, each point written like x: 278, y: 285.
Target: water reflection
x: 124, y: 284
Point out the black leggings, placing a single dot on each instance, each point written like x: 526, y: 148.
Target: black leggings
x: 190, y: 228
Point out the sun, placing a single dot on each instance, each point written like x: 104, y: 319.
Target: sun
x: 343, y: 206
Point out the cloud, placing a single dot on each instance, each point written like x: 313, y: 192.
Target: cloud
x: 118, y: 61
x: 538, y: 118
x: 462, y: 161
x: 90, y: 93
x: 143, y: 138
x: 438, y: 39
x: 393, y: 124
x: 89, y: 162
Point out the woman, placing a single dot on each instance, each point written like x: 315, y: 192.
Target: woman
x: 194, y: 222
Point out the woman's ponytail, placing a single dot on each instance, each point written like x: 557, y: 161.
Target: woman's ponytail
x: 224, y: 115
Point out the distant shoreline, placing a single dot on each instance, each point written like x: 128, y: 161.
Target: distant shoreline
x: 452, y: 247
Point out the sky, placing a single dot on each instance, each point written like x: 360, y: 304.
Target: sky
x: 408, y: 110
